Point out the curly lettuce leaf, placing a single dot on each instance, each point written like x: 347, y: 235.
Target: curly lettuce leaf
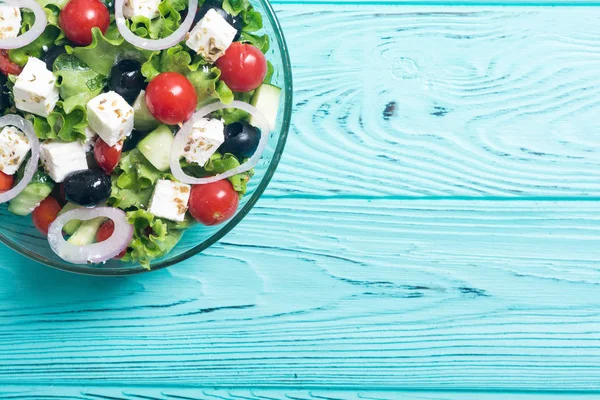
x: 152, y: 238
x: 164, y: 25
x: 218, y: 164
x: 174, y: 59
x: 51, y: 36
x: 232, y: 115
x: 67, y: 124
x: 106, y: 50
x: 75, y: 78
x: 208, y: 86
x: 262, y: 42
x: 133, y: 181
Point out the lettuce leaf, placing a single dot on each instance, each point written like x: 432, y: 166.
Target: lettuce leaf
x: 75, y: 78
x: 106, y: 50
x: 251, y: 19
x: 133, y: 181
x: 167, y: 22
x: 152, y: 238
x: 65, y: 124
x: 262, y: 42
x: 51, y: 36
x: 208, y: 86
x: 217, y: 164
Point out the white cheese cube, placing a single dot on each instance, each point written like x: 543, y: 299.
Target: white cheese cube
x: 90, y: 138
x: 35, y: 89
x: 14, y: 146
x: 211, y: 36
x: 141, y: 8
x: 62, y: 158
x: 111, y: 117
x: 170, y: 200
x: 203, y: 140
x: 10, y: 22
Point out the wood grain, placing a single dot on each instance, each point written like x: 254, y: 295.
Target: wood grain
x: 488, y: 101
x: 337, y: 293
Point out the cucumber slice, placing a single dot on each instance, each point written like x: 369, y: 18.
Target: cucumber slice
x: 142, y: 118
x: 72, y: 225
x: 156, y: 147
x: 266, y: 98
x: 86, y: 233
x: 38, y: 189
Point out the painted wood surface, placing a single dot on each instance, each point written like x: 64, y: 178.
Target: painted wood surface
x: 456, y: 257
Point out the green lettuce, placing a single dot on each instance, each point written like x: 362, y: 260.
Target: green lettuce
x: 51, y: 36
x: 106, y: 50
x: 232, y: 115
x: 204, y: 78
x: 75, y: 78
x: 152, y: 238
x: 218, y: 164
x: 262, y: 42
x: 65, y: 124
x: 164, y: 25
x: 133, y: 181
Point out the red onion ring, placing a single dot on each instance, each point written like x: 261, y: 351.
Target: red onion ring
x: 155, y: 44
x: 93, y: 253
x: 179, y: 143
x: 24, y: 126
x: 36, y: 30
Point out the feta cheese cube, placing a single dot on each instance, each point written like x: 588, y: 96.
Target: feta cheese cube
x: 203, y: 140
x: 35, y: 89
x: 141, y: 8
x: 111, y: 117
x: 211, y: 36
x: 10, y: 22
x: 14, y: 146
x: 170, y: 200
x: 62, y: 158
x: 90, y: 138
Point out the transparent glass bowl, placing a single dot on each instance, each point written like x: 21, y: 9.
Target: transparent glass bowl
x: 19, y: 234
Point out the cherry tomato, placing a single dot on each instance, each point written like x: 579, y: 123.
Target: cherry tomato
x: 171, y: 98
x: 45, y: 214
x: 243, y: 67
x: 6, y: 182
x: 79, y: 17
x: 8, y: 67
x: 106, y: 230
x: 107, y: 157
x: 213, y: 203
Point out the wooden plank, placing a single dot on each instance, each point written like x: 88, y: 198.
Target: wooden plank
x: 379, y: 294
x: 186, y: 393
x: 488, y: 101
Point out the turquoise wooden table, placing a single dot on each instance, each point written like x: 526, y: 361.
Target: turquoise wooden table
x: 433, y: 232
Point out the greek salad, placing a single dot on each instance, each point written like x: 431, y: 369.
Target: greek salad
x: 124, y: 124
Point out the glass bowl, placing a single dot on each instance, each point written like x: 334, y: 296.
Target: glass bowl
x: 19, y: 234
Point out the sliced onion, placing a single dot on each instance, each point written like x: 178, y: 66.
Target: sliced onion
x: 155, y: 44
x: 96, y: 252
x: 36, y: 30
x: 179, y: 143
x: 24, y: 126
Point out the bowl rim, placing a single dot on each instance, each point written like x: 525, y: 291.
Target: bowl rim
x: 225, y: 229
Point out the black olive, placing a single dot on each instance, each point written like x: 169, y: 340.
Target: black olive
x: 4, y: 93
x: 132, y: 140
x: 236, y: 22
x: 127, y: 80
x: 241, y: 140
x: 87, y: 188
x: 51, y: 55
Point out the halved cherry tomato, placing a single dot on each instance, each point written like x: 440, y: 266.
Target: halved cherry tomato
x: 171, y: 98
x: 79, y: 17
x: 243, y: 67
x: 6, y: 182
x: 213, y: 203
x: 106, y: 230
x: 107, y: 157
x: 8, y: 67
x: 45, y: 214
